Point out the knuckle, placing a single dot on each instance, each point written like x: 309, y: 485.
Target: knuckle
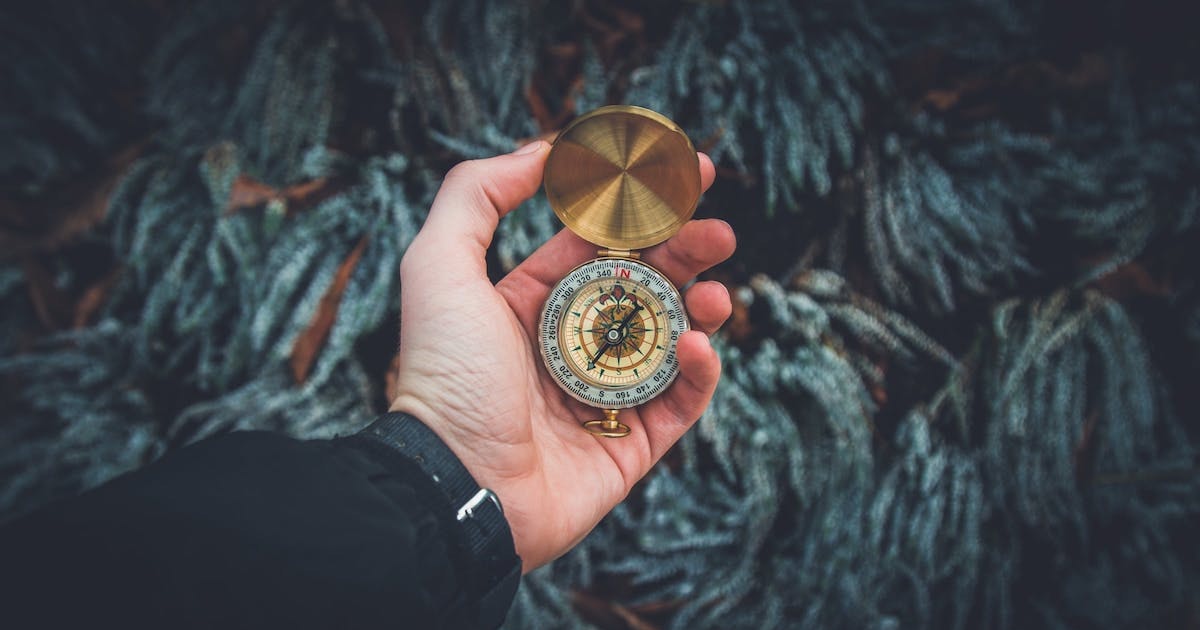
x: 474, y: 179
x: 464, y: 172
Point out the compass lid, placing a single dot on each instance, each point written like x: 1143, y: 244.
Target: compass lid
x: 623, y: 177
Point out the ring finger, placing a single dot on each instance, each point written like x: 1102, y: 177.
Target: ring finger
x: 708, y: 306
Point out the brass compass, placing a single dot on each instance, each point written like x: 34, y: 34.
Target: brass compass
x: 623, y: 178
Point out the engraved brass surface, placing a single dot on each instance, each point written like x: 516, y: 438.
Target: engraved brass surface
x: 623, y: 177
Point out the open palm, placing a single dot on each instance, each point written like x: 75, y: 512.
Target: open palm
x: 470, y: 369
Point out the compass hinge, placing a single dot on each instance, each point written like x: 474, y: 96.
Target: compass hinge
x: 618, y: 253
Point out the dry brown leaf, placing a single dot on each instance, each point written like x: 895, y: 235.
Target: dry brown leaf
x: 606, y: 614
x: 613, y: 28
x: 1132, y: 280
x: 93, y: 298
x: 738, y: 327
x: 309, y: 343
x: 879, y: 395
x: 975, y: 97
x: 658, y: 607
x: 1081, y: 456
x: 48, y: 301
x: 706, y: 145
x: 50, y: 221
x: 538, y: 107
x: 942, y: 100
x: 551, y: 122
x: 247, y: 193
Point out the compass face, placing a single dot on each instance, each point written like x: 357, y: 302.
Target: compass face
x: 608, y: 332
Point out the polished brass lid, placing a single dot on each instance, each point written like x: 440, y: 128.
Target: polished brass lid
x: 623, y: 177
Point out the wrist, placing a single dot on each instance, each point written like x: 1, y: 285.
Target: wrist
x: 441, y: 426
x: 461, y: 434
x: 497, y: 452
x: 472, y: 516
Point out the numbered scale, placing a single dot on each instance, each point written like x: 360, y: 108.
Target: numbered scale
x: 623, y: 178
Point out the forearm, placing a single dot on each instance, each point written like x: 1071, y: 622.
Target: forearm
x: 250, y: 529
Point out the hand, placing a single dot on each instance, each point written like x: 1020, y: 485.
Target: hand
x: 469, y: 365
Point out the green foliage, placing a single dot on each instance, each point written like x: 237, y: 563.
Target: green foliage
x: 68, y: 438
x: 469, y: 73
x: 63, y: 106
x: 978, y: 516
x: 926, y: 234
x: 941, y: 407
x: 774, y: 84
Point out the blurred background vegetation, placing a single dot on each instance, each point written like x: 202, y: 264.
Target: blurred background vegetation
x: 960, y: 382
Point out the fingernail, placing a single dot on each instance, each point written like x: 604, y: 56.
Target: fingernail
x: 529, y: 148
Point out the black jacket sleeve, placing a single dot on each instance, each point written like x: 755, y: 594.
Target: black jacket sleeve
x: 247, y: 530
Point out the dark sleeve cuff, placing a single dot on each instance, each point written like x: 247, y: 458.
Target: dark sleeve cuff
x: 474, y: 518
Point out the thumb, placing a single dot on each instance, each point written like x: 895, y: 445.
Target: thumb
x: 473, y: 197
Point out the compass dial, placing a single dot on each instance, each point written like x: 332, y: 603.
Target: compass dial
x: 608, y: 332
